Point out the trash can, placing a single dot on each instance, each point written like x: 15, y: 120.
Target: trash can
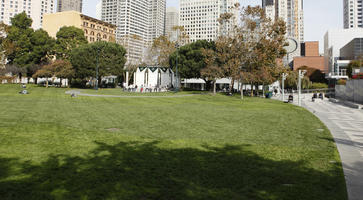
x: 268, y: 95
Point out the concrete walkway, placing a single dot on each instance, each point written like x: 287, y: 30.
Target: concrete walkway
x: 346, y: 126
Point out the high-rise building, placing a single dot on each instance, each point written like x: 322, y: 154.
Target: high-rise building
x: 157, y: 10
x: 99, y: 10
x: 138, y: 23
x: 353, y: 14
x: 292, y: 12
x: 34, y: 9
x: 172, y: 20
x: 67, y: 5
x: 200, y: 17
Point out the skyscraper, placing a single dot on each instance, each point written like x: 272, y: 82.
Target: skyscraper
x: 292, y: 12
x: 172, y: 20
x: 353, y: 14
x: 34, y: 10
x: 138, y: 23
x: 200, y: 17
x: 67, y: 5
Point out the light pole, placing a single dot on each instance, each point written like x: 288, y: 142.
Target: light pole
x: 301, y: 75
x: 97, y: 67
x: 284, y: 76
x: 176, y: 68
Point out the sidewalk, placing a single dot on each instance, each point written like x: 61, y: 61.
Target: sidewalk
x: 346, y: 126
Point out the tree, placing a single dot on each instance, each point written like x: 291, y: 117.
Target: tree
x: 191, y: 59
x: 20, y: 36
x: 212, y: 71
x: 354, y: 64
x: 160, y: 51
x: 6, y: 47
x: 47, y: 71
x: 315, y: 75
x: 29, y: 47
x: 292, y: 80
x: 110, y: 57
x: 63, y: 70
x: 68, y: 38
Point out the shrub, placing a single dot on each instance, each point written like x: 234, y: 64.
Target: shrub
x: 318, y: 86
x: 342, y: 82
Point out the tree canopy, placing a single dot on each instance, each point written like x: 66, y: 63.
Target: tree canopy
x: 68, y: 38
x: 191, y: 59
x: 29, y: 47
x: 111, y: 59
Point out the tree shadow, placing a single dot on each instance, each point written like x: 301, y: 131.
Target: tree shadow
x: 141, y: 171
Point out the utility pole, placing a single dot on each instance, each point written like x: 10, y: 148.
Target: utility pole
x: 284, y: 76
x: 301, y: 75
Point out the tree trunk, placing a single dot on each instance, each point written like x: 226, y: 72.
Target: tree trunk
x: 252, y: 89
x: 214, y: 87
x: 241, y: 90
x: 263, y: 90
x: 232, y: 85
x: 46, y: 83
x: 60, y: 82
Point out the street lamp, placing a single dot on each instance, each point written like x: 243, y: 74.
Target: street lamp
x: 284, y: 76
x: 176, y: 68
x: 301, y: 75
x: 97, y: 67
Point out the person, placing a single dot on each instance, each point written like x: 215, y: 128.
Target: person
x: 142, y: 88
x: 321, y: 96
x: 314, y: 97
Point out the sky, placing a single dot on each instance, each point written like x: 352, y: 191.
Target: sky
x: 319, y: 15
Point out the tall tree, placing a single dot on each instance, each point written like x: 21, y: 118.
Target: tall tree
x: 30, y: 47
x: 190, y: 58
x: 213, y: 70
x: 68, y: 38
x: 109, y: 56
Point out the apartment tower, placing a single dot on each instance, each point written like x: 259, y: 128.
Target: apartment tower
x: 200, y: 17
x: 292, y: 12
x: 68, y: 5
x: 172, y: 20
x: 34, y: 9
x: 138, y: 23
x: 353, y: 14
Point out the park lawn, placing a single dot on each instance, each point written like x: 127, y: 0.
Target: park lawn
x: 53, y: 146
x: 120, y: 92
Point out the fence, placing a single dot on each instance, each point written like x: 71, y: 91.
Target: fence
x: 352, y: 91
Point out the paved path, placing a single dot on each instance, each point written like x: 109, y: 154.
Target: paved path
x: 79, y: 93
x: 346, y: 126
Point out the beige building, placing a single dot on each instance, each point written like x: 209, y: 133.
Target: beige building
x: 94, y: 29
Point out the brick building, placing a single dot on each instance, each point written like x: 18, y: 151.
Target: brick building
x: 309, y: 57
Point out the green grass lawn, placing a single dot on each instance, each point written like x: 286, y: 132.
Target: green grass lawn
x: 120, y: 92
x: 53, y: 146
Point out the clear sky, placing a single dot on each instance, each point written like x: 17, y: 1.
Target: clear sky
x: 320, y: 15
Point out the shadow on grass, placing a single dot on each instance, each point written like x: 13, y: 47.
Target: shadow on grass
x: 145, y: 171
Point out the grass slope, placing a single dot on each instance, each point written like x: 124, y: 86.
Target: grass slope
x: 53, y: 146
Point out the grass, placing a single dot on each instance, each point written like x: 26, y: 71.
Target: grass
x: 53, y: 146
x: 120, y: 92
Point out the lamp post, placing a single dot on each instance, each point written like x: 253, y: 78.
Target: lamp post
x: 301, y: 75
x: 176, y: 68
x: 284, y: 76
